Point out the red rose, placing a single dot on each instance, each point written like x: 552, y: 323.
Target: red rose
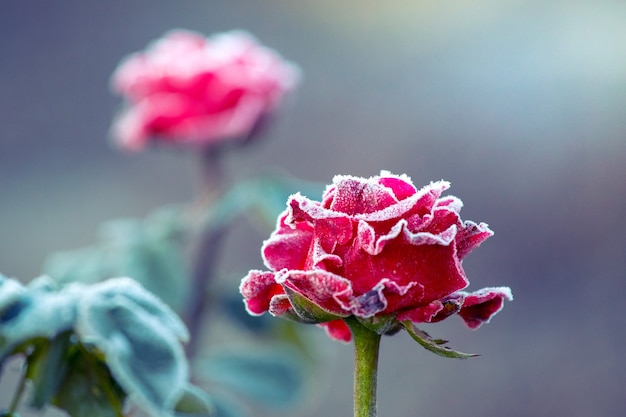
x: 377, y: 249
x: 192, y: 89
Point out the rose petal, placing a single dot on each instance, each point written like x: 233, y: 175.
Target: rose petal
x: 338, y: 330
x: 288, y: 247
x: 258, y: 289
x: 228, y: 84
x: 374, y: 301
x: 327, y: 290
x: 401, y: 185
x: 480, y: 306
x: 279, y: 305
x: 423, y: 314
x: 471, y: 236
x: 355, y: 196
x: 420, y: 203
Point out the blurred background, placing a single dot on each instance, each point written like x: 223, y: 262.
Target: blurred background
x: 520, y: 104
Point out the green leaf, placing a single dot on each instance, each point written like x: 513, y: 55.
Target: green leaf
x: 140, y: 337
x: 150, y: 250
x: 273, y: 190
x: 34, y: 313
x: 46, y: 367
x: 273, y: 378
x: 227, y: 408
x: 263, y: 197
x: 88, y: 389
x: 194, y: 402
x: 434, y: 345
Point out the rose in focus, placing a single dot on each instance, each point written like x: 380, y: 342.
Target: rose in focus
x: 187, y: 88
x: 377, y: 249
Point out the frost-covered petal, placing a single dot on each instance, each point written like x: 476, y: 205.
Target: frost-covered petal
x: 432, y: 266
x: 326, y: 290
x: 422, y: 314
x: 189, y: 89
x: 375, y: 301
x: 288, y: 247
x: 279, y: 305
x: 480, y: 306
x: 354, y: 196
x: 329, y: 225
x: 471, y: 236
x: 258, y: 289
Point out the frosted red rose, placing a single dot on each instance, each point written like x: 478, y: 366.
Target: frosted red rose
x: 377, y: 249
x: 192, y: 89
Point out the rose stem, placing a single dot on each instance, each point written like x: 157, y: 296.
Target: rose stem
x: 207, y: 245
x: 366, y: 346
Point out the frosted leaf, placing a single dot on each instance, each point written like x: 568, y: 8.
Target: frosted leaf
x: 27, y: 314
x: 140, y: 339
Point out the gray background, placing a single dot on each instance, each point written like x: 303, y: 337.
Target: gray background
x: 520, y: 104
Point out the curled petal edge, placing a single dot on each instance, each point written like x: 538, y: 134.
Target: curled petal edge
x: 480, y: 306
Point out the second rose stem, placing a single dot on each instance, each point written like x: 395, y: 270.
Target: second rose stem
x: 207, y: 245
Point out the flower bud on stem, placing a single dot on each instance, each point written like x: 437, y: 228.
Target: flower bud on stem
x: 366, y: 346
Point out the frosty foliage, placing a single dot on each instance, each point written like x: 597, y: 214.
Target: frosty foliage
x: 137, y: 334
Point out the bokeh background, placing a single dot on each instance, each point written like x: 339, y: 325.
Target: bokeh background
x: 520, y: 104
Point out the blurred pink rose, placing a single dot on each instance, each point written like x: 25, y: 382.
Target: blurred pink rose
x: 376, y: 248
x: 186, y: 88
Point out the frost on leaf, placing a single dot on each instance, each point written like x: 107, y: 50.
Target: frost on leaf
x: 140, y: 338
x: 115, y: 324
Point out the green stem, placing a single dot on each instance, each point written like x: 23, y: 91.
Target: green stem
x: 366, y: 346
x: 18, y: 395
x: 206, y: 247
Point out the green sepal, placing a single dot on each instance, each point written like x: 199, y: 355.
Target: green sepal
x: 46, y: 367
x: 434, y: 345
x: 309, y: 312
x: 384, y: 324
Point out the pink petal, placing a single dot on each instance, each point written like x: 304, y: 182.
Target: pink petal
x: 279, y: 305
x: 228, y: 82
x: 374, y: 301
x: 422, y: 314
x: 355, y: 195
x: 420, y: 203
x: 338, y: 330
x: 288, y: 247
x: 258, y: 289
x: 400, y: 185
x: 471, y: 236
x: 333, y: 225
x: 480, y: 306
x: 325, y: 289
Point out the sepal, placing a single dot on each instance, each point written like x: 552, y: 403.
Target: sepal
x: 309, y: 312
x: 383, y: 324
x: 434, y: 345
